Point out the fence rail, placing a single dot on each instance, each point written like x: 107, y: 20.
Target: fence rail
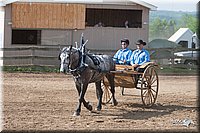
x: 30, y: 56
x: 46, y: 56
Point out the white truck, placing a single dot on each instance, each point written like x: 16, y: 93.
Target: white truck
x: 187, y: 57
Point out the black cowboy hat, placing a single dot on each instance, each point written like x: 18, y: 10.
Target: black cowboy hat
x: 125, y: 40
x: 140, y: 42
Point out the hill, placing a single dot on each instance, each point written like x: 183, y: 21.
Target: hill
x: 174, y: 15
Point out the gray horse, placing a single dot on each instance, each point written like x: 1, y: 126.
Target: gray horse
x: 98, y: 67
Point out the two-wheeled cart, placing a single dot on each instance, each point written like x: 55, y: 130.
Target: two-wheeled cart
x: 145, y: 80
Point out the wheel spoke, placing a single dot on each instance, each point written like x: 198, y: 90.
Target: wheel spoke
x: 144, y: 93
x: 152, y: 86
x: 154, y: 90
x: 153, y: 77
x: 152, y: 94
x: 145, y: 97
x: 148, y: 98
x: 152, y: 98
x: 106, y: 94
x: 154, y: 81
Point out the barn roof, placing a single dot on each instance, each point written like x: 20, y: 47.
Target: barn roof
x: 179, y: 34
x: 120, y: 2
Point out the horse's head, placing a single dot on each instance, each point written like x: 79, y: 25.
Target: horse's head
x: 68, y: 59
x: 64, y: 59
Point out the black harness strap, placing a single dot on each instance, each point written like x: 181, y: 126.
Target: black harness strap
x: 94, y: 59
x: 79, y: 62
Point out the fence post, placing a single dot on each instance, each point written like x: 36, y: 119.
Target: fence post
x: 32, y: 55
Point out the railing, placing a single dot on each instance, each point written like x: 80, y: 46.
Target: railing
x: 45, y: 56
x: 30, y: 56
x: 40, y: 56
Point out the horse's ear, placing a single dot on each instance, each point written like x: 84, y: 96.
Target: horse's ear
x: 70, y: 47
x: 81, y: 40
x: 76, y: 43
x: 59, y: 47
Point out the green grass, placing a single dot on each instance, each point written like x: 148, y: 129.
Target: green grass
x: 42, y: 69
x: 29, y: 69
x: 177, y: 70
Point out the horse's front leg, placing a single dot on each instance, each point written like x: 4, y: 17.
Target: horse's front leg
x: 99, y: 94
x: 82, y: 91
x: 86, y: 104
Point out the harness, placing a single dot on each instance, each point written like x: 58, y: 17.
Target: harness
x: 79, y: 62
x: 94, y: 59
x: 77, y: 70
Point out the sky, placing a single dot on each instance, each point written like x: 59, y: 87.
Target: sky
x: 174, y: 5
x: 170, y: 5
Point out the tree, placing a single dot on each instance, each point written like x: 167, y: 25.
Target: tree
x: 190, y: 22
x: 172, y: 26
x: 161, y: 28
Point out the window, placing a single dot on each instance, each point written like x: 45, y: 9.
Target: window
x: 26, y: 36
x: 183, y: 44
x: 114, y: 17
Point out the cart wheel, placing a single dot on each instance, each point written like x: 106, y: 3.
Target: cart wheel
x: 122, y: 91
x: 107, y: 95
x: 149, y: 86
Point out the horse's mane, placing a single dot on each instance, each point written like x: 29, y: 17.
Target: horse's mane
x: 68, y: 48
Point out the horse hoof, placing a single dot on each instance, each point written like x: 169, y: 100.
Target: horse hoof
x: 98, y: 109
x: 114, y: 103
x: 90, y: 107
x: 76, y: 114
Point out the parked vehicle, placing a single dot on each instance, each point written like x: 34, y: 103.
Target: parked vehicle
x: 187, y: 57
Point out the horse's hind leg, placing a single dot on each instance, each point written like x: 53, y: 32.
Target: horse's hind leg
x: 111, y: 81
x: 99, y: 94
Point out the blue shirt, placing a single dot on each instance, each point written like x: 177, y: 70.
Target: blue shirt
x: 140, y: 57
x: 121, y: 55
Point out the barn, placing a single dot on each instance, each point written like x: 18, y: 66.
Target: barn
x: 185, y: 37
x: 34, y: 29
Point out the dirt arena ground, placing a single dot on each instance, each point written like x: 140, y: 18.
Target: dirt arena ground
x: 47, y: 102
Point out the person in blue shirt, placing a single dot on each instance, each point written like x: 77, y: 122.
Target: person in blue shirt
x: 140, y: 55
x: 123, y: 55
x: 138, y: 58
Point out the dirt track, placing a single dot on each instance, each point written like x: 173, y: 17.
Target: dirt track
x: 47, y: 102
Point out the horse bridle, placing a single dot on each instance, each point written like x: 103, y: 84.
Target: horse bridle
x: 70, y: 53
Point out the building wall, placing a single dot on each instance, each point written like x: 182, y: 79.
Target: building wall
x: 135, y: 33
x: 48, y: 15
x: 186, y: 37
x: 108, y: 38
x: 99, y: 38
x: 2, y: 15
x: 8, y: 27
